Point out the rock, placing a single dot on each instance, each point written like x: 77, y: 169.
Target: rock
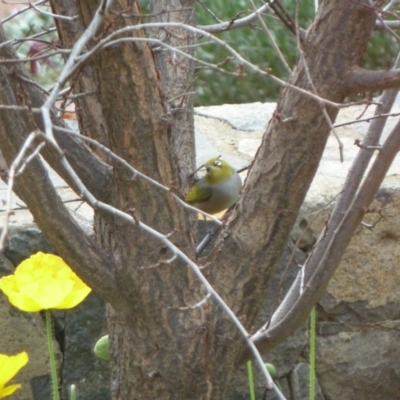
x: 299, y: 383
x: 20, y: 331
x: 359, y: 361
x: 41, y: 387
x: 244, y: 117
x: 369, y: 269
x: 6, y: 266
x: 83, y: 326
x: 359, y: 314
x: 286, y: 354
x: 26, y: 243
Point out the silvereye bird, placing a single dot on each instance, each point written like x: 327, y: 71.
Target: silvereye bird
x: 217, y: 190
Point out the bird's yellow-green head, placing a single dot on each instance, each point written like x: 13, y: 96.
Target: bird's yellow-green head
x: 217, y: 171
x: 217, y: 190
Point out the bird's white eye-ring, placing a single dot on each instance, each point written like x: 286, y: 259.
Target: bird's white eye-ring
x: 217, y: 163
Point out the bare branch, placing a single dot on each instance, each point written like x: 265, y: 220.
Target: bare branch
x: 36, y: 190
x: 36, y: 58
x: 388, y: 28
x: 82, y: 59
x: 22, y: 10
x: 324, y: 112
x: 383, y: 26
x: 55, y: 16
x: 283, y: 15
x: 197, y: 305
x: 95, y: 173
x: 390, y: 5
x: 209, y: 11
x: 27, y: 39
x: 134, y: 172
x: 235, y: 24
x: 367, y: 119
x: 271, y: 39
x: 16, y: 168
x: 19, y: 108
x: 331, y: 245
x: 361, y: 80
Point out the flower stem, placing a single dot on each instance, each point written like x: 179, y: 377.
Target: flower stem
x: 50, y: 346
x: 251, y: 382
x: 72, y: 392
x: 312, y: 354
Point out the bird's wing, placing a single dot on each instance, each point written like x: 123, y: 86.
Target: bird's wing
x: 198, y: 194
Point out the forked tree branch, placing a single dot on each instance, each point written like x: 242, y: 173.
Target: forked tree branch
x: 325, y: 265
x: 349, y: 207
x: 132, y: 219
x: 88, y: 109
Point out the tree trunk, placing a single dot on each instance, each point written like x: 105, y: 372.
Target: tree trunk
x: 149, y: 360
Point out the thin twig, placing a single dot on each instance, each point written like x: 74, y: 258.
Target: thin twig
x: 194, y: 306
x: 22, y: 10
x: 55, y: 16
x: 37, y: 58
x: 20, y: 108
x: 238, y: 23
x: 229, y: 49
x: 271, y: 39
x: 135, y: 172
x: 324, y: 112
x: 16, y: 167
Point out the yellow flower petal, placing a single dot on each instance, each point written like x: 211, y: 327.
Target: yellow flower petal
x: 9, y: 367
x: 15, y: 297
x: 44, y: 281
x: 51, y: 292
x: 74, y: 298
x: 8, y: 390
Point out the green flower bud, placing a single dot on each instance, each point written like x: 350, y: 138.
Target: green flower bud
x: 101, y: 348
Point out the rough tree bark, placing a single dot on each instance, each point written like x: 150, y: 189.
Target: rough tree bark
x: 158, y: 351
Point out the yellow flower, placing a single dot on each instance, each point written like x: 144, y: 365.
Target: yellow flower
x: 9, y: 366
x: 44, y: 281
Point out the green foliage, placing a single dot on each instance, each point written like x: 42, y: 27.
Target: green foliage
x: 381, y: 51
x: 212, y: 87
x: 44, y: 71
x: 251, y: 43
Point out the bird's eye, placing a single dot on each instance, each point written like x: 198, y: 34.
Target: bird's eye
x: 217, y: 163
